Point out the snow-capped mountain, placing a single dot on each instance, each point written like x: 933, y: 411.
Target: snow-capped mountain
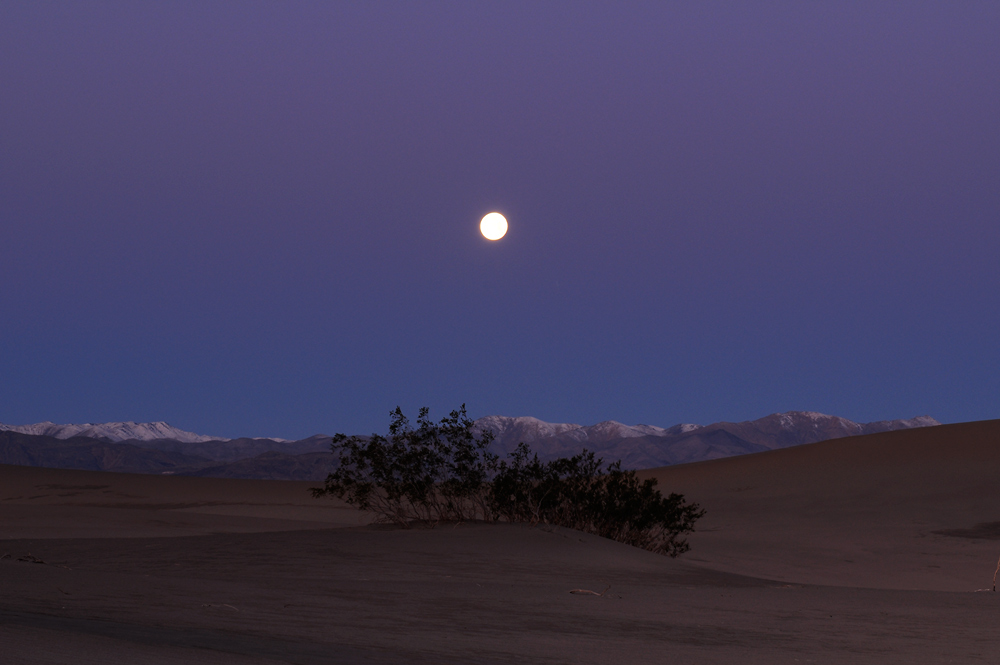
x: 645, y: 446
x: 113, y: 432
x: 508, y: 432
x: 780, y: 430
x: 160, y: 448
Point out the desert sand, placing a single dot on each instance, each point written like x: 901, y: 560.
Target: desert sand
x: 862, y: 550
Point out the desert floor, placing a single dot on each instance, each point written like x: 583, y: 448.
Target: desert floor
x: 862, y: 550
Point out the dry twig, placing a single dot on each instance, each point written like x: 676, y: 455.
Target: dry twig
x: 221, y: 605
x: 27, y: 558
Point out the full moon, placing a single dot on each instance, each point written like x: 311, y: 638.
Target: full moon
x: 493, y: 226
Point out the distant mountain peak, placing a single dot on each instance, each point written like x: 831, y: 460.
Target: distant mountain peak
x: 113, y: 432
x: 798, y: 419
x: 533, y: 428
x: 527, y: 424
x: 643, y: 446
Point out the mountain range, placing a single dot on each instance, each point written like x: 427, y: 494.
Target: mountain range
x: 647, y: 446
x: 112, y: 432
x: 159, y: 448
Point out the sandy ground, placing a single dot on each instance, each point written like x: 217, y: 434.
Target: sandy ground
x: 865, y: 550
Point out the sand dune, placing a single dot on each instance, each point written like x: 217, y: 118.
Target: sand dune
x: 867, y: 511
x: 835, y: 552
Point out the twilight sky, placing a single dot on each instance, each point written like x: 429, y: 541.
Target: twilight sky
x: 257, y: 218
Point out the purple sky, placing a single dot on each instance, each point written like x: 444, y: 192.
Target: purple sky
x: 262, y: 218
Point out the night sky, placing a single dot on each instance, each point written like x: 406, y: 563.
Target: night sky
x: 261, y: 219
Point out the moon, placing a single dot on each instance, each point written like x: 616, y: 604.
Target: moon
x: 493, y: 226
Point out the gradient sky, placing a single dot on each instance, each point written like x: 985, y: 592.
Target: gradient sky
x: 261, y: 218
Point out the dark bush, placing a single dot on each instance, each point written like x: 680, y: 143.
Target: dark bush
x: 445, y: 472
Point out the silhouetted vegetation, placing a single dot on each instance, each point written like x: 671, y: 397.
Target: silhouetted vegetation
x: 445, y: 471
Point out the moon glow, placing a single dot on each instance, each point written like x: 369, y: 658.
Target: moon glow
x: 493, y: 226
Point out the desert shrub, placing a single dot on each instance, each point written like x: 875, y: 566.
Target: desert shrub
x: 430, y: 473
x: 580, y: 492
x: 445, y: 472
